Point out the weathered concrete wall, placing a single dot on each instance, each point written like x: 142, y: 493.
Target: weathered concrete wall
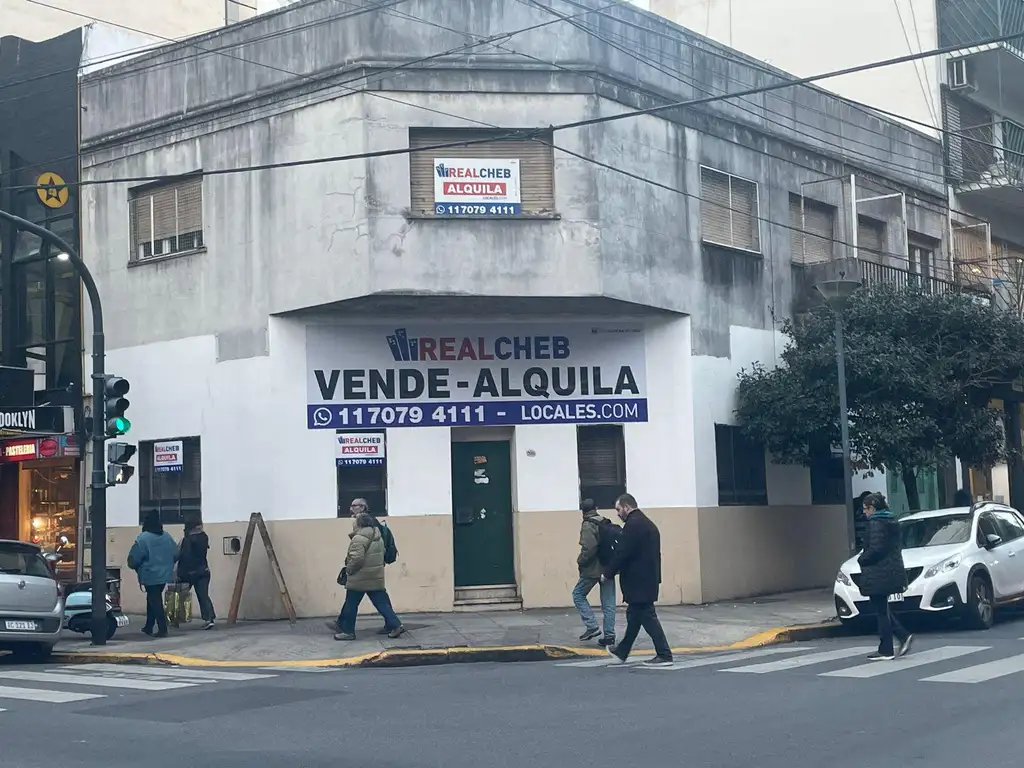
x: 294, y: 238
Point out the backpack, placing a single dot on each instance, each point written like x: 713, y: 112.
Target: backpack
x: 390, y: 548
x: 607, y: 540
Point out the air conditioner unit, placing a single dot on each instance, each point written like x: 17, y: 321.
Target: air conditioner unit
x: 961, y: 75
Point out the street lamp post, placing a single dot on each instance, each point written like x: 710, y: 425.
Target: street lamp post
x: 99, y: 479
x: 837, y: 294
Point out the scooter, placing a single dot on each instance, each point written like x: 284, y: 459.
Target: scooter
x: 78, y: 608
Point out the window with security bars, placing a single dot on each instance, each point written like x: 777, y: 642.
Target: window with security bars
x: 363, y: 481
x: 177, y: 494
x: 166, y: 219
x: 870, y: 239
x: 812, y: 229
x: 536, y: 170
x: 729, y: 211
x: 601, y: 460
x: 742, y: 474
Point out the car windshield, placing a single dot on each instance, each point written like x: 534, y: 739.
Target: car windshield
x: 20, y: 560
x: 936, y: 531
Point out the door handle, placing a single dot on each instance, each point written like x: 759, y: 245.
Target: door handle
x: 1011, y: 553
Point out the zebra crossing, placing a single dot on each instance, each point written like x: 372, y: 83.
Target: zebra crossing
x: 85, y: 682
x: 970, y: 664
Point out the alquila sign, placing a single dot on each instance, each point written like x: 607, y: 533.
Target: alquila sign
x: 486, y: 374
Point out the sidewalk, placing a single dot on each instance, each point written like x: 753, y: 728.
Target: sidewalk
x: 450, y: 637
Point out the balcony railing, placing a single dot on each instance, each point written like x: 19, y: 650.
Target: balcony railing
x: 990, y: 155
x: 873, y: 273
x: 965, y: 22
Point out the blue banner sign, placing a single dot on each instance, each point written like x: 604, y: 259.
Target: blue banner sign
x: 361, y: 377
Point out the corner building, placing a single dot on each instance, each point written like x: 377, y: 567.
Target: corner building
x: 474, y: 336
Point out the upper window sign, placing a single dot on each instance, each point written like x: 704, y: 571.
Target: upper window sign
x: 458, y: 173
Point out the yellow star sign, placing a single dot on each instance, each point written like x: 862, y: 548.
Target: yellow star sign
x: 52, y: 190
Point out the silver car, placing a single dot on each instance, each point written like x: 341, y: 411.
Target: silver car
x: 31, y: 607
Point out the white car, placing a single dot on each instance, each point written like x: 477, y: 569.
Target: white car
x: 963, y: 561
x: 31, y: 607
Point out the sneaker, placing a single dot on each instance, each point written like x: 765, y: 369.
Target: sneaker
x: 383, y: 631
x: 590, y: 634
x: 606, y: 641
x: 614, y: 653
x: 210, y: 624
x: 161, y: 633
x: 904, y: 648
x: 881, y: 657
x: 146, y: 631
x: 396, y: 633
x: 333, y: 626
x: 659, y: 661
x: 344, y: 636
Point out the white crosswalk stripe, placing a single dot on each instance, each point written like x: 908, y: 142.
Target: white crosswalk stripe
x: 64, y: 685
x: 803, y: 661
x: 844, y: 664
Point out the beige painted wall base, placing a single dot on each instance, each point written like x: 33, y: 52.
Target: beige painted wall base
x: 708, y: 554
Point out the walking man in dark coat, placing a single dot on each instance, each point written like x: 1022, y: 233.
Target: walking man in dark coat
x: 637, y: 563
x: 883, y: 574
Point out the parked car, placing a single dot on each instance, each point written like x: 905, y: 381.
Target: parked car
x: 962, y: 561
x: 31, y: 607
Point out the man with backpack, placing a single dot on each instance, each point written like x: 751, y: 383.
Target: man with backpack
x: 598, y: 537
x: 372, y: 547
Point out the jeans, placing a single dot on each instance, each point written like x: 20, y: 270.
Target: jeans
x: 643, y: 615
x: 350, y: 609
x: 202, y: 588
x: 155, y: 609
x: 888, y: 625
x: 579, y: 599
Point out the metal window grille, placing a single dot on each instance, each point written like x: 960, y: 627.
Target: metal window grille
x: 729, y: 210
x: 166, y: 220
x: 175, y: 495
x: 536, y: 165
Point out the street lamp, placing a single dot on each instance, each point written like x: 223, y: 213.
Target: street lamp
x: 837, y: 293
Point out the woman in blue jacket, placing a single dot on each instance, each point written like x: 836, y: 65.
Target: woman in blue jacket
x: 152, y: 558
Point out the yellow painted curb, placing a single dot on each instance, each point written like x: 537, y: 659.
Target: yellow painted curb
x: 429, y: 656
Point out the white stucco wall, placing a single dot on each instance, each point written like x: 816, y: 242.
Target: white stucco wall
x: 167, y: 18
x: 258, y: 455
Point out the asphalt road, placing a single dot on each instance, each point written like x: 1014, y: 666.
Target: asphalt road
x: 781, y: 707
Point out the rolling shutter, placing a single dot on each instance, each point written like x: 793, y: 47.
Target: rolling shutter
x: 601, y: 456
x: 715, y: 218
x: 870, y: 239
x: 536, y: 165
x: 165, y: 213
x: 813, y: 234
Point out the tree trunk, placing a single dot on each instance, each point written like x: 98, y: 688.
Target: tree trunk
x: 910, y: 484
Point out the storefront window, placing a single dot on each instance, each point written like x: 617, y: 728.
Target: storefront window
x: 50, y: 511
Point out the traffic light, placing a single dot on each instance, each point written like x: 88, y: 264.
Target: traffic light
x: 118, y: 469
x: 116, y: 404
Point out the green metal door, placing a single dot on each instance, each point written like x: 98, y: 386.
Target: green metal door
x: 482, y: 514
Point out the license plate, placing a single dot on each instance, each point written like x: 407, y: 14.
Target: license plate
x: 122, y: 621
x: 897, y: 598
x: 20, y: 626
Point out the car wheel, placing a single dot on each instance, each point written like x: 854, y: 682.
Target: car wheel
x: 111, y: 626
x: 31, y: 651
x: 981, y: 611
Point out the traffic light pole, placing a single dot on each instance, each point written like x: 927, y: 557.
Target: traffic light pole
x: 99, y: 478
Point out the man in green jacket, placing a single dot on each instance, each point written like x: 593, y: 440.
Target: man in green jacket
x: 364, y: 571
x: 590, y: 565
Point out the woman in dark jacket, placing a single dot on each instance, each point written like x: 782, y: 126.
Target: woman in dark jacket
x: 883, y: 574
x: 194, y: 568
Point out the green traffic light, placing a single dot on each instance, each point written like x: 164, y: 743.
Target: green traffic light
x: 122, y: 424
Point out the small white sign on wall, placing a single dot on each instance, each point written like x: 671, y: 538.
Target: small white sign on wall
x: 354, y: 449
x: 167, y: 456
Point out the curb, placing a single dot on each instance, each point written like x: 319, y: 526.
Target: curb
x: 417, y: 657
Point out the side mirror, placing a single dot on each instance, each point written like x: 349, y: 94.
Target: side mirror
x: 992, y: 541
x: 52, y: 557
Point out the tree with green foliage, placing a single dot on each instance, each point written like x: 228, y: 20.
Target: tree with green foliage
x: 920, y: 371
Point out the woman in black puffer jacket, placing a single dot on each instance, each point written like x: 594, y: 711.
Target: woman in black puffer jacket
x: 883, y: 574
